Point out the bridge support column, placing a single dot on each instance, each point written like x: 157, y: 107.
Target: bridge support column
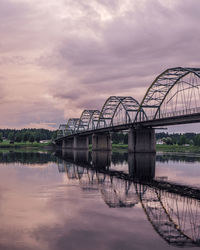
x: 67, y: 143
x: 142, y: 140
x: 101, y: 141
x: 81, y: 142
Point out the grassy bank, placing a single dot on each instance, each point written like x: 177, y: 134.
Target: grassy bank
x: 178, y: 148
x: 115, y: 147
x: 7, y: 144
x: 162, y: 148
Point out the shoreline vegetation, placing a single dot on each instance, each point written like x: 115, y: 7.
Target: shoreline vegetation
x: 42, y: 139
x: 7, y: 144
x: 115, y: 147
x: 165, y: 148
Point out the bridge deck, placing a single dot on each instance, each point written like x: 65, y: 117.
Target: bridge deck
x: 166, y: 121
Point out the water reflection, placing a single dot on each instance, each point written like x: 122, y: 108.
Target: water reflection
x: 173, y: 214
x: 26, y: 157
x: 46, y: 204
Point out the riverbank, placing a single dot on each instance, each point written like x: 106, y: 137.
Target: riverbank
x: 115, y: 147
x: 164, y: 148
x: 178, y: 148
x: 17, y: 145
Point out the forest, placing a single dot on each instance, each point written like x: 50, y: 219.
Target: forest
x: 166, y: 138
x: 26, y: 135
x: 37, y: 135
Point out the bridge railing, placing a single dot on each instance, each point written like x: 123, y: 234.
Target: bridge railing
x: 159, y: 116
x: 176, y: 113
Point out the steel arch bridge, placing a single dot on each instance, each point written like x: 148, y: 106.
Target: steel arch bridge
x: 119, y: 110
x: 174, y: 91
x: 88, y: 120
x: 172, y: 98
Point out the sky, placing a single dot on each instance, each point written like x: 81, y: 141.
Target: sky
x: 59, y: 57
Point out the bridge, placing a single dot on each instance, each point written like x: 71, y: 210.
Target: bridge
x: 173, y: 98
x: 172, y: 209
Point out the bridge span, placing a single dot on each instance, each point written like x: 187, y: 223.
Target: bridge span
x: 173, y: 98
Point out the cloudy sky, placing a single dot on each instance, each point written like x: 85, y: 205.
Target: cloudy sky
x: 58, y: 57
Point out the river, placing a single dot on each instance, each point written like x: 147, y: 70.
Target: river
x: 101, y: 200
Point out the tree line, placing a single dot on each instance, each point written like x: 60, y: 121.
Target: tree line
x: 36, y: 135
x: 26, y: 135
x: 170, y: 139
x: 179, y: 139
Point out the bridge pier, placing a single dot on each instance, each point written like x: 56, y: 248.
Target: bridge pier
x: 101, y: 142
x: 81, y: 142
x: 67, y: 143
x: 76, y: 142
x: 142, y: 140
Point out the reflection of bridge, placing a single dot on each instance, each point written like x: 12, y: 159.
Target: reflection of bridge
x: 174, y: 215
x: 173, y: 98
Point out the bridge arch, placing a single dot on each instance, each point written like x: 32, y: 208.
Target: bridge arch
x: 72, y: 125
x: 175, y: 91
x: 119, y: 110
x: 88, y: 120
x: 61, y: 130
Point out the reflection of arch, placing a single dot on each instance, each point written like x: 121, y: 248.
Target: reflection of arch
x: 88, y: 120
x: 174, y: 218
x: 177, y: 87
x: 119, y: 193
x: 119, y: 110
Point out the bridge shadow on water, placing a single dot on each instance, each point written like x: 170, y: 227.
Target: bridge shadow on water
x: 172, y: 209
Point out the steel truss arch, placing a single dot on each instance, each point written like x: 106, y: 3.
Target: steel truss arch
x: 88, y: 120
x: 61, y: 130
x: 123, y: 108
x: 72, y: 125
x: 159, y: 90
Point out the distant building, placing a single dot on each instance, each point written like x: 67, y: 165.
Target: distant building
x: 160, y: 142
x: 44, y: 141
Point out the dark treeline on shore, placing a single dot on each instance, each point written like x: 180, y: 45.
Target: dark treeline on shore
x: 25, y: 135
x: 36, y: 135
x: 169, y: 139
x: 179, y: 139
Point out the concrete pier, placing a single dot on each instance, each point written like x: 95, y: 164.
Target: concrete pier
x: 67, y: 143
x: 76, y: 142
x: 101, y: 142
x: 81, y: 142
x: 142, y: 140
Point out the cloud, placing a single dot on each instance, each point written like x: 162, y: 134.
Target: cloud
x: 125, y: 52
x: 68, y: 55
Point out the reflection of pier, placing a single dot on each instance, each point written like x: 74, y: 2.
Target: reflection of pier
x: 172, y: 209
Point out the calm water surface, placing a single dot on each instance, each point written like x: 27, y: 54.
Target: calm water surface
x: 79, y: 200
